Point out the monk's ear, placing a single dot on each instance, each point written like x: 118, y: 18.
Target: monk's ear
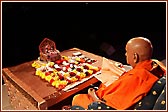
x: 136, y: 58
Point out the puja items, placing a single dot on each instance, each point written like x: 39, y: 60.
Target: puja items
x: 48, y: 51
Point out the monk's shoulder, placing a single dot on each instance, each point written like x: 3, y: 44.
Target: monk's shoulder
x: 140, y: 72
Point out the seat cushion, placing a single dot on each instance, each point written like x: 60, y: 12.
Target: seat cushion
x: 76, y: 107
x: 161, y: 101
x: 148, y: 102
x: 99, y: 106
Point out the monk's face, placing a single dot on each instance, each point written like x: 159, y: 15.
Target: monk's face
x: 129, y: 55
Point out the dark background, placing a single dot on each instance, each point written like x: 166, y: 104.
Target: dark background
x: 82, y: 25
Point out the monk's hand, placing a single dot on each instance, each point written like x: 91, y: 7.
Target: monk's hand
x: 92, y: 93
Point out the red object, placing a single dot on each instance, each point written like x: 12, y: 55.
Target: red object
x: 68, y: 66
x: 86, y: 67
x: 94, y: 71
x: 51, y: 81
x: 58, y: 61
x: 79, y: 69
x: 89, y: 62
x: 61, y: 86
x: 58, y: 69
x: 47, y: 73
x: 87, y: 73
x: 82, y: 60
x: 72, y: 74
x: 69, y: 81
x: 60, y: 76
x: 77, y: 76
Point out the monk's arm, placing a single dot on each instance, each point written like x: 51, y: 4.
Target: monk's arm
x: 92, y: 93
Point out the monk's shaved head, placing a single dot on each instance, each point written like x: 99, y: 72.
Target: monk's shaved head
x: 141, y: 47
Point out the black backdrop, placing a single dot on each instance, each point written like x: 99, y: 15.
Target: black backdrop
x: 80, y: 24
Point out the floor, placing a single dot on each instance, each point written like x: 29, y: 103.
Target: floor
x: 5, y: 99
x: 6, y: 103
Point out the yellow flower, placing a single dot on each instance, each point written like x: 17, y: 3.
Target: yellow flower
x: 48, y: 78
x: 66, y: 75
x: 73, y: 79
x: 51, y: 63
x: 57, y: 83
x: 56, y: 77
x: 65, y: 57
x: 36, y: 65
x: 64, y: 82
x: 76, y: 62
x: 38, y: 72
x: 55, y: 71
x: 74, y: 71
x: 43, y: 75
x: 90, y: 71
x: 77, y: 59
x: 54, y: 83
x: 82, y: 75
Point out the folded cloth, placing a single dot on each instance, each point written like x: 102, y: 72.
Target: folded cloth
x: 110, y: 71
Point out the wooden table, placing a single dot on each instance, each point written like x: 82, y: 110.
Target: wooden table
x: 29, y: 92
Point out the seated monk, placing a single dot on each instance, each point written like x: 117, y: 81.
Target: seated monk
x: 132, y: 85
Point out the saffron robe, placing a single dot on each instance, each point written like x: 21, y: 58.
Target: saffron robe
x: 124, y: 92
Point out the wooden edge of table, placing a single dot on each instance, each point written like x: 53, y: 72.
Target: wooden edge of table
x: 65, y: 94
x: 41, y: 102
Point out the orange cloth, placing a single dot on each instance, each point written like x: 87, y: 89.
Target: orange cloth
x: 125, y: 91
